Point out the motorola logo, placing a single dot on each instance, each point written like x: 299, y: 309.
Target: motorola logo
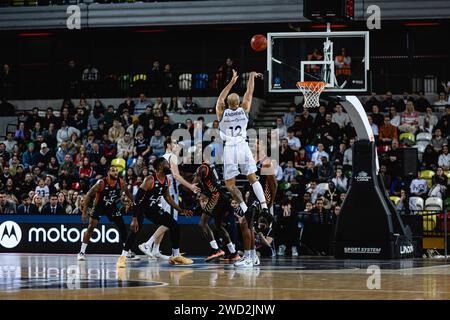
x: 10, y: 234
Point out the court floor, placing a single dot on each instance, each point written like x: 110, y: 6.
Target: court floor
x: 26, y: 276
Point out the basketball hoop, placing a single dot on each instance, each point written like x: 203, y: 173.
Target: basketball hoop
x: 311, y: 92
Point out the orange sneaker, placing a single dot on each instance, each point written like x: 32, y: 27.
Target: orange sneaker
x: 216, y: 254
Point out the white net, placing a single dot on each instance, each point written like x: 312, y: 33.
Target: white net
x: 311, y: 92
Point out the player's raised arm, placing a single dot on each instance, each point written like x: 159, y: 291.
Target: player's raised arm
x: 177, y: 176
x: 248, y: 96
x: 220, y: 105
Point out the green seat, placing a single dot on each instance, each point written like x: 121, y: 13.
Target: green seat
x: 428, y: 176
x: 447, y: 204
x: 395, y: 199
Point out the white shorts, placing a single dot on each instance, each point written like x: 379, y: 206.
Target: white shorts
x: 235, y: 157
x: 167, y: 208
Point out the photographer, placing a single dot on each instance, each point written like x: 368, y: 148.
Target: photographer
x: 264, y: 239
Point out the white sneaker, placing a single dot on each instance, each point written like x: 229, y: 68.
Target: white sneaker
x: 146, y: 250
x: 256, y: 261
x: 294, y: 252
x: 81, y: 256
x: 245, y: 262
x: 132, y: 257
x: 159, y: 255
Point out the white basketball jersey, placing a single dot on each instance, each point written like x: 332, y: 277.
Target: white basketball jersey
x: 173, y: 188
x: 233, y: 125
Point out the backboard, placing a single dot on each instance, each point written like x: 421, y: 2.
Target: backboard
x: 338, y: 58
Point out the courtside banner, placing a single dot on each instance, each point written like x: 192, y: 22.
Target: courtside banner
x: 64, y: 233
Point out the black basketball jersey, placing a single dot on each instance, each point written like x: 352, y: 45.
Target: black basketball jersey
x: 108, y: 199
x: 210, y: 183
x: 158, y: 189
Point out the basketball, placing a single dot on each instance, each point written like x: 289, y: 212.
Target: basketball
x: 258, y: 42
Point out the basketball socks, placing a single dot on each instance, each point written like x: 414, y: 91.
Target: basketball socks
x: 150, y: 242
x: 243, y: 206
x: 253, y: 253
x: 176, y: 252
x: 155, y: 248
x: 231, y: 248
x: 257, y: 188
x: 83, y: 247
x: 247, y: 253
x: 214, y: 245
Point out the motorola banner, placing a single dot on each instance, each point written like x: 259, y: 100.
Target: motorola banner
x: 63, y: 234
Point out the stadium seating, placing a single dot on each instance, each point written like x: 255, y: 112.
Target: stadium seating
x: 395, y: 200
x: 407, y: 138
x: 429, y: 221
x: 416, y: 203
x: 433, y: 203
x: 185, y: 81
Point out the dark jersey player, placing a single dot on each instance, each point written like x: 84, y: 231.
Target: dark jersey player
x: 152, y: 189
x: 266, y: 174
x: 215, y: 204
x: 107, y: 195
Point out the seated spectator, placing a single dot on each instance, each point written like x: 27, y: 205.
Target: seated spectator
x: 39, y: 202
x: 67, y: 170
x: 288, y: 118
x: 309, y: 173
x: 438, y: 141
x: 387, y: 132
x: 340, y: 181
x: 166, y: 128
x: 149, y: 131
x: 30, y: 157
x: 65, y: 133
x: 409, y: 120
x: 319, y: 154
x: 53, y: 167
x: 125, y: 146
x: 385, y: 177
x: 402, y: 204
x: 320, y: 215
x: 141, y: 104
x: 377, y: 117
x: 9, y: 142
x: 27, y: 207
x: 374, y: 127
x: 428, y: 121
x: 348, y: 156
x: 44, y: 154
x: 444, y: 158
x: 134, y: 129
x: 439, y: 184
x: 395, y: 118
x: 290, y: 171
x: 12, y: 192
x: 125, y: 119
x: 79, y: 203
x: 53, y: 207
x: 388, y: 101
x: 158, y: 116
x: 319, y: 120
x: 116, y: 132
x: 51, y: 137
x: 175, y: 105
x: 42, y: 189
x: 101, y: 168
x: 301, y: 160
x: 324, y: 170
x: 145, y: 117
x: 281, y: 128
x: 109, y: 116
x: 6, y: 206
x: 49, y: 118
x: 421, y: 102
x: 138, y: 166
x: 20, y: 134
x: 127, y: 104
x: 189, y: 106
x: 442, y: 101
x: 293, y: 142
x: 157, y: 144
x: 313, y: 190
x: 142, y: 146
x: 338, y: 155
x: 286, y: 153
x: 264, y: 239
x: 340, y: 117
x: 331, y: 196
x: 329, y: 132
x: 86, y: 171
x: 418, y: 187
x: 62, y: 201
x: 159, y: 103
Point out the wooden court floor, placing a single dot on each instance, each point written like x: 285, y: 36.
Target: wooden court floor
x: 24, y: 276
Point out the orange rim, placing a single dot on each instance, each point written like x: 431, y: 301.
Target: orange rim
x: 315, y: 86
